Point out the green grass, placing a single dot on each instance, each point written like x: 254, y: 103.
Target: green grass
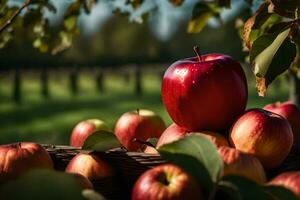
x: 52, y: 120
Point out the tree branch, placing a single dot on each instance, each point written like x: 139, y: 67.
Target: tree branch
x: 13, y: 17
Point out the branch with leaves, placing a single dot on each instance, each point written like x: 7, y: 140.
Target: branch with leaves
x: 14, y: 16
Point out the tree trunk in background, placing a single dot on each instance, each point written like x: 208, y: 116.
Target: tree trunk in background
x: 126, y: 77
x: 100, y: 81
x: 17, y: 86
x: 138, y: 80
x: 44, y: 83
x: 74, y: 81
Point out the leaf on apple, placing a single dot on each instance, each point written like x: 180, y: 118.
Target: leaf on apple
x: 279, y: 192
x: 101, y: 141
x: 198, y: 156
x: 42, y: 184
x: 236, y: 187
x: 270, y: 56
x: 202, y: 12
x: 92, y: 195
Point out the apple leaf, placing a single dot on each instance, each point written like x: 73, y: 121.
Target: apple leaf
x: 270, y: 56
x: 42, y: 184
x: 202, y: 12
x: 258, y: 24
x: 92, y: 195
x: 198, y: 156
x: 101, y: 141
x: 279, y: 192
x: 286, y: 8
x: 236, y: 187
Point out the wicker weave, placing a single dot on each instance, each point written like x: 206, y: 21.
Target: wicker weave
x: 130, y: 165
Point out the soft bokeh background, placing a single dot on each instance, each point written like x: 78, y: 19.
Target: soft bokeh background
x: 99, y: 76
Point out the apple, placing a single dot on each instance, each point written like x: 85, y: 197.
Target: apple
x: 266, y: 135
x: 205, y: 93
x: 291, y: 112
x: 138, y: 125
x: 18, y: 158
x: 83, y: 182
x: 241, y: 164
x: 166, y: 182
x: 89, y: 166
x: 289, y: 180
x: 85, y: 128
x: 175, y: 132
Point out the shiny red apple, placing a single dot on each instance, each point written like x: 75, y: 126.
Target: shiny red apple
x: 289, y: 180
x: 18, y: 158
x: 166, y: 182
x: 175, y: 132
x: 291, y: 112
x: 266, y: 135
x: 84, y: 129
x: 205, y: 93
x: 138, y: 125
x: 89, y: 166
x: 241, y: 164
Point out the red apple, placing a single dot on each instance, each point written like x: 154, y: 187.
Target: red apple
x: 264, y: 134
x: 291, y: 112
x: 205, y: 93
x: 90, y: 166
x: 289, y: 180
x: 18, y: 158
x: 84, y: 129
x: 166, y: 182
x: 83, y: 182
x: 138, y: 125
x: 175, y: 132
x: 241, y: 164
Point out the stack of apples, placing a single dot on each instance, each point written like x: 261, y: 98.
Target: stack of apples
x: 207, y: 95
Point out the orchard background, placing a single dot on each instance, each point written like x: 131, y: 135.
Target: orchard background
x: 65, y: 61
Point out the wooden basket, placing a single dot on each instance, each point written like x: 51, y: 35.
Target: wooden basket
x: 130, y: 165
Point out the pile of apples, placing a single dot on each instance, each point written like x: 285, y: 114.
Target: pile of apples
x: 205, y: 95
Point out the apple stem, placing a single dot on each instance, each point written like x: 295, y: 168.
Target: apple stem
x: 19, y: 143
x: 138, y: 111
x: 197, y: 51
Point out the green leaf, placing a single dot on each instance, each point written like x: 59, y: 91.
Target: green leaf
x: 88, y: 5
x: 92, y: 195
x: 271, y: 55
x: 198, y: 156
x: 264, y: 51
x: 202, y: 12
x: 70, y: 23
x: 286, y: 8
x: 42, y: 184
x: 280, y: 192
x: 256, y: 25
x: 101, y: 141
x: 241, y: 188
x: 73, y: 9
x: 224, y: 3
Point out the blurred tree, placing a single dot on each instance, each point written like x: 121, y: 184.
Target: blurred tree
x: 270, y: 29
